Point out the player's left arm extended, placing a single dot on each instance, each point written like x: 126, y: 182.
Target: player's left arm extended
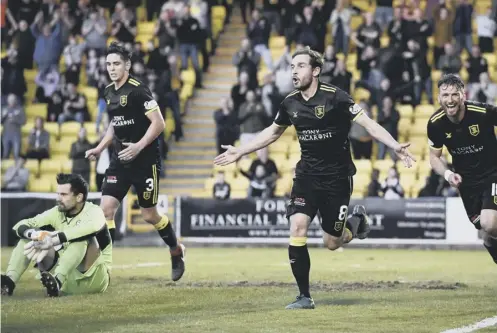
x: 157, y: 126
x: 25, y: 228
x: 377, y: 131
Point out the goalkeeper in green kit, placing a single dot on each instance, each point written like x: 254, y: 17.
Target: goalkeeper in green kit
x: 69, y: 243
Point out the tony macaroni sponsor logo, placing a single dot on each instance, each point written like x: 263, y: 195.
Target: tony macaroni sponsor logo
x: 119, y: 121
x: 473, y: 149
x: 314, y: 135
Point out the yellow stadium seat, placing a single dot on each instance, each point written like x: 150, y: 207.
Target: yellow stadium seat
x: 383, y: 165
x: 70, y: 128
x: 407, y: 180
x: 228, y: 168
x: 218, y: 12
x: 50, y: 166
x: 419, y: 127
x: 238, y: 194
x: 404, y: 126
x: 240, y: 183
x: 244, y: 163
x: 145, y: 38
x: 33, y: 167
x: 435, y: 76
x: 66, y: 165
x: 145, y: 28
x: 277, y: 42
x: 491, y: 59
x: 52, y: 128
x: 62, y: 147
x: 282, y: 163
x: 361, y: 181
x: 43, y: 184
x: 91, y: 93
x: 363, y: 166
x: 283, y: 186
x: 30, y: 75
x: 294, y: 148
x: 278, y: 147
x: 36, y: 110
x: 405, y: 111
x: 293, y: 159
x: 188, y: 77
x: 91, y: 129
x: 361, y: 94
x: 7, y: 164
x: 424, y: 111
x: 141, y: 14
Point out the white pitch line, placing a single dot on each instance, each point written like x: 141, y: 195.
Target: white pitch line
x: 487, y: 322
x: 145, y: 264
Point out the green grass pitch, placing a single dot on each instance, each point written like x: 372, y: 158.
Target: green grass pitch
x: 237, y: 290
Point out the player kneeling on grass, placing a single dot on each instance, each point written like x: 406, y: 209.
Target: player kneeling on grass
x: 76, y: 255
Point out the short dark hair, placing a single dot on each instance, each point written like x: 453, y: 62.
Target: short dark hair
x: 118, y: 48
x: 78, y: 183
x: 451, y: 80
x: 316, y: 57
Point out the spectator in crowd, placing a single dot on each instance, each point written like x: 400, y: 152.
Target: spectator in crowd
x: 243, y: 8
x: 94, y: 67
x: 73, y: 55
x: 190, y: 37
x: 54, y: 107
x: 283, y: 74
x: 47, y: 82
x: 103, y: 82
x: 463, y: 26
x: 221, y: 190
x: 67, y: 22
x: 94, y: 31
x: 443, y: 21
x: 475, y: 65
x: 342, y: 78
x: 75, y: 107
x: 25, y: 44
x: 124, y: 27
x: 258, y: 187
x: 450, y: 62
x: 270, y: 96
x: 226, y: 125
x: 486, y: 29
x: 272, y: 12
x: 383, y: 13
x: 80, y: 164
x: 258, y: 31
x: 388, y: 117
x: 270, y: 173
x: 396, y: 29
x: 374, y: 187
x: 368, y: 34
x: 200, y: 10
x: 165, y: 31
x: 308, y: 29
x: 360, y: 139
x: 48, y: 44
x: 417, y: 64
x: 329, y: 64
x: 340, y: 27
x: 252, y: 118
x: 239, y: 91
x: 391, y: 186
x: 39, y: 141
x: 485, y: 91
x: 13, y: 81
x: 16, y: 177
x: 158, y: 58
x: 13, y: 118
x: 247, y: 60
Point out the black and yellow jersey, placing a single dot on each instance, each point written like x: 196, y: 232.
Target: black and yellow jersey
x: 128, y: 107
x: 472, y: 142
x: 322, y: 123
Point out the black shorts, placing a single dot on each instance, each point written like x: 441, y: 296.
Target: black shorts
x: 119, y: 178
x: 329, y: 196
x: 476, y: 200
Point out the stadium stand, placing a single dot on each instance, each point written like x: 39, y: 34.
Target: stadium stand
x: 190, y: 136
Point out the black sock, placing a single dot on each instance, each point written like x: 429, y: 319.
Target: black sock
x: 301, y: 265
x: 112, y: 234
x: 166, y: 232
x: 353, y: 224
x: 491, y: 246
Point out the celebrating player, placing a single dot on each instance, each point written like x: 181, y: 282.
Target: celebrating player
x: 135, y: 124
x: 466, y: 128
x: 322, y: 116
x: 79, y: 250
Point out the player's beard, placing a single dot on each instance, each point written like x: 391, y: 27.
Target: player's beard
x: 453, y: 111
x: 303, y: 83
x: 62, y: 208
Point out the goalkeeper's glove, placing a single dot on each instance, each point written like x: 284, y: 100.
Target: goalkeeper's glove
x: 34, y: 253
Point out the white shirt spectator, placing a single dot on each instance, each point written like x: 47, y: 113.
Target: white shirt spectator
x: 485, y: 26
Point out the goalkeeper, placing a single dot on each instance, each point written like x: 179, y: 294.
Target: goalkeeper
x: 69, y: 243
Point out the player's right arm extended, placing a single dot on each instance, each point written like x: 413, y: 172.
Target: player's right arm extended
x: 436, y: 162
x: 107, y: 139
x: 269, y: 135
x: 26, y: 227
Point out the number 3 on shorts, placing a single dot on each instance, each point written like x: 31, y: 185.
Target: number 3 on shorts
x: 150, y: 185
x: 343, y: 213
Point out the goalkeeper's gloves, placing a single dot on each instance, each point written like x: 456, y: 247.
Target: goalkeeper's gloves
x: 33, y: 253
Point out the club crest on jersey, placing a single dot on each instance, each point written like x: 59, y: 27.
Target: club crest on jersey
x: 319, y: 111
x: 474, y: 130
x: 123, y: 100
x: 146, y: 195
x: 338, y: 226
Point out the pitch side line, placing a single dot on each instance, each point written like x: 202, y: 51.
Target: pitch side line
x: 487, y: 322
